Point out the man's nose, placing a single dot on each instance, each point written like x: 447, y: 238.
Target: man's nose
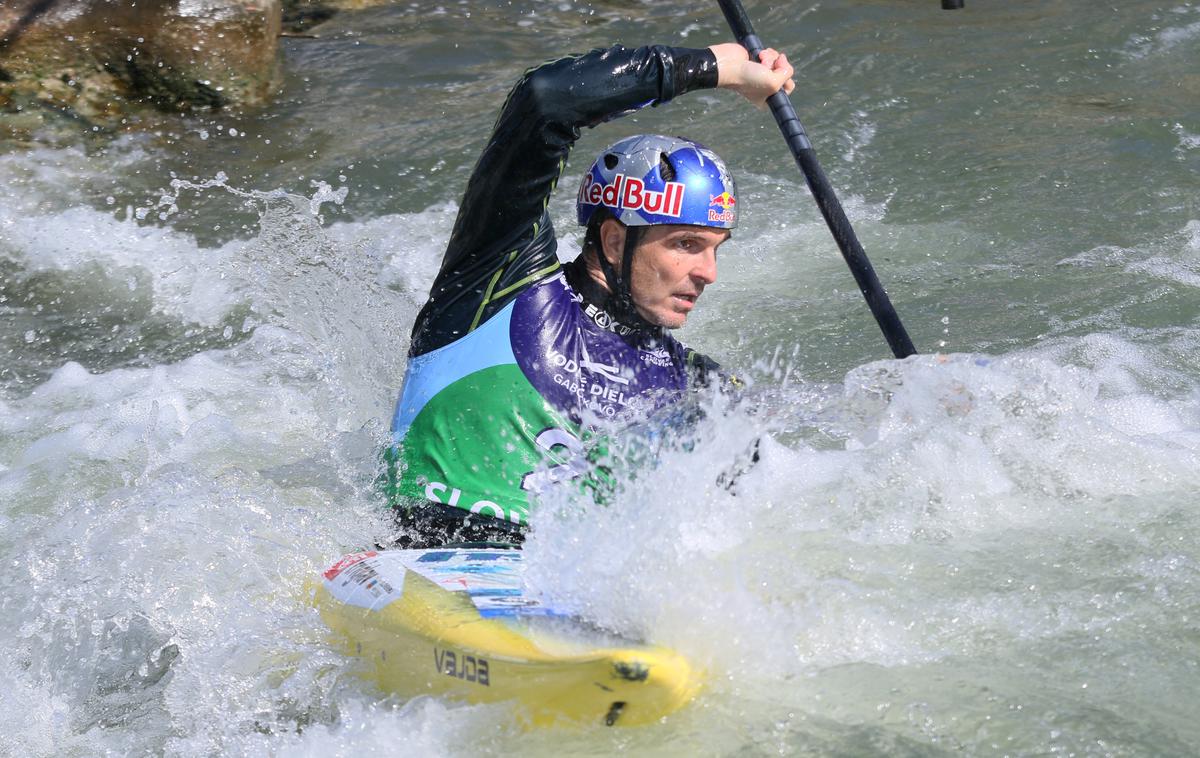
x: 706, y: 268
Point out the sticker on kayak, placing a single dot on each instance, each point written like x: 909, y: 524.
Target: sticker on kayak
x: 366, y: 580
x: 491, y: 578
x: 348, y: 561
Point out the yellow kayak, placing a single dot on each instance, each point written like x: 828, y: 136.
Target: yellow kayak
x: 459, y: 622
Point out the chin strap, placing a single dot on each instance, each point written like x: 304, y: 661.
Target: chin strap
x: 618, y: 286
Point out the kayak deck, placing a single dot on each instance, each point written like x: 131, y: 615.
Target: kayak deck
x: 458, y: 622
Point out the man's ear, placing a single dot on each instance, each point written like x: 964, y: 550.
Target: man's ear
x: 612, y: 239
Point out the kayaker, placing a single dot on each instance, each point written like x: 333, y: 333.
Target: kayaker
x: 516, y: 359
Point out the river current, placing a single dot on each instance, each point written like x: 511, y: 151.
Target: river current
x: 992, y: 548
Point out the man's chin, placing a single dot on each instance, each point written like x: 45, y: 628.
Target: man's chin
x: 667, y: 319
x: 674, y: 321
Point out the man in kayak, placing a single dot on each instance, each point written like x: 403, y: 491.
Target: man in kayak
x: 517, y: 360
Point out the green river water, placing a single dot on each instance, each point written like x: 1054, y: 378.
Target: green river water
x: 992, y: 548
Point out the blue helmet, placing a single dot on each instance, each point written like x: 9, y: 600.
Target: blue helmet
x: 651, y: 179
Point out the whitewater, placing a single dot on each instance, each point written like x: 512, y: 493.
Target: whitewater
x: 991, y: 548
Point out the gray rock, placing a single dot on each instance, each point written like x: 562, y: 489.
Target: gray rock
x: 104, y: 62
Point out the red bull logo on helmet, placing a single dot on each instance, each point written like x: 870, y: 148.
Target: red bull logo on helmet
x: 725, y: 201
x: 627, y: 193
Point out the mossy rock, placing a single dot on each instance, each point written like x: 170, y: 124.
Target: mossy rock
x: 101, y: 61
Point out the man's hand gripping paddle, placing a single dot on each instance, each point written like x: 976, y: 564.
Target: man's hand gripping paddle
x: 818, y: 183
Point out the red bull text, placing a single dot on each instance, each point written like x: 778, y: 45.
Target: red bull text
x: 628, y: 193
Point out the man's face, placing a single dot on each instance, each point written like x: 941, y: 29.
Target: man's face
x: 672, y: 266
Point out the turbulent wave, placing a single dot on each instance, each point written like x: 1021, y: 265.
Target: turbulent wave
x: 976, y: 509
x: 161, y: 515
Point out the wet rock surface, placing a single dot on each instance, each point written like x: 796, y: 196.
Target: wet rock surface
x: 103, y: 64
x: 300, y: 16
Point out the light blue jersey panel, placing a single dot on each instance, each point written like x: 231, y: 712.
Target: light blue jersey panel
x: 429, y: 374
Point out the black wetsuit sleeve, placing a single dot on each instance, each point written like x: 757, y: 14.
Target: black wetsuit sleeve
x: 502, y: 239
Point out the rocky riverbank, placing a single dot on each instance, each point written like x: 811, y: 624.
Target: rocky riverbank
x: 100, y: 65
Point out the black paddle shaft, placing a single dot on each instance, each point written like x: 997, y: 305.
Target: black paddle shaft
x: 797, y: 140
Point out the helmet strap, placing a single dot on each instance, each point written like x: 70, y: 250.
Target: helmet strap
x: 618, y: 284
x: 633, y: 235
x: 610, y: 273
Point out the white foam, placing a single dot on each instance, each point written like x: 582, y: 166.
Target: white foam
x: 186, y: 280
x: 1166, y: 39
x: 861, y: 135
x: 161, y: 521
x: 1187, y: 140
x: 827, y: 557
x: 1176, y: 259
